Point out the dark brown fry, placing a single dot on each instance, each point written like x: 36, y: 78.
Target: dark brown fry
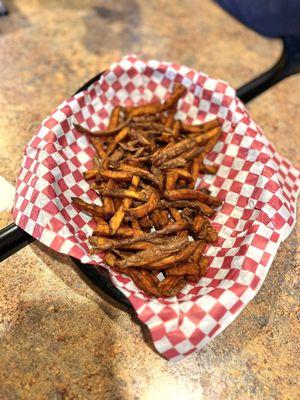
x: 114, y: 244
x: 144, y: 209
x: 146, y: 257
x: 188, y: 194
x: 91, y: 209
x: 171, y: 286
x: 182, y: 269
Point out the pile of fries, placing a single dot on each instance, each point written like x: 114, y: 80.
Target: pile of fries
x: 153, y: 225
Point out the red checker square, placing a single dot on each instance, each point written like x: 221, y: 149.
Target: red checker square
x: 79, y: 117
x: 62, y: 185
x: 219, y: 181
x: 132, y: 72
x: 167, y: 313
x: 242, y: 201
x: 118, y: 71
x: 255, y: 282
x: 260, y: 242
x: 77, y: 190
x: 146, y: 314
x: 49, y: 192
x: 236, y: 187
x: 276, y: 203
x: 67, y: 110
x: 195, y: 314
x: 51, y: 208
x: 65, y: 169
x: 148, y: 71
x: 65, y: 125
x: 171, y: 353
x: 214, y: 108
x: 211, y: 272
x: 157, y: 332
x: 48, y: 176
x: 24, y: 191
x: 81, y: 101
x: 130, y: 87
x: 79, y: 221
x: 176, y: 337
x: 50, y: 137
x: 185, y: 107
x: 242, y: 153
x: 37, y: 231
x: 77, y: 175
x: 216, y: 293
x: 24, y: 205
x: 77, y: 252
x: 221, y: 87
x: 251, y: 179
x: 278, y: 221
x: 236, y: 306
x: 256, y: 145
x: 166, y: 82
x: 197, y: 337
x: 214, y: 330
x: 152, y: 85
x: 243, y: 249
x: 265, y: 258
x: 201, y: 115
x: 249, y: 264
x: 228, y: 161
x: 23, y: 221
x: 218, y: 311
x: 50, y: 123
x: 225, y: 102
x: 35, y: 212
x: 207, y: 94
x: 232, y: 222
x: 116, y: 86
x: 236, y: 139
x: 247, y: 214
x: 274, y: 237
x: 57, y: 242
x: 28, y: 162
x: 56, y: 224
x: 256, y: 193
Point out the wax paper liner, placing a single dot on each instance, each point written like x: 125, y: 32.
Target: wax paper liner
x: 258, y: 186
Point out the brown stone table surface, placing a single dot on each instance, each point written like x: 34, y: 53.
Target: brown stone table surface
x: 61, y: 338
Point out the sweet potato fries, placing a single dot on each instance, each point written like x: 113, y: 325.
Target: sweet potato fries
x: 153, y: 225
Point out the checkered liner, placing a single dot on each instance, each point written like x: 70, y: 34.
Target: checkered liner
x: 258, y: 186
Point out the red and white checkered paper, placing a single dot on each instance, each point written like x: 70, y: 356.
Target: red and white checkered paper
x: 258, y: 186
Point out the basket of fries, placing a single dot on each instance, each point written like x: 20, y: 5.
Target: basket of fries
x: 158, y: 173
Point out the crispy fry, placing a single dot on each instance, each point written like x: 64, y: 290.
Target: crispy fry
x: 171, y: 179
x: 182, y: 269
x: 188, y: 194
x: 170, y: 119
x: 107, y: 132
x: 174, y: 163
x: 114, y: 117
x: 91, y: 209
x: 143, y: 173
x: 208, y: 169
x: 116, y: 175
x: 202, y: 128
x: 124, y: 193
x: 144, y: 280
x: 144, y: 209
x: 198, y: 252
x: 171, y: 286
x: 198, y: 223
x: 146, y: 257
x: 194, y: 205
x: 181, y: 255
x: 108, y: 203
x: 182, y: 173
x: 176, y: 129
x: 146, y: 223
x: 98, y: 145
x: 120, y: 136
x: 113, y: 244
x: 125, y: 232
x: 173, y: 151
x: 203, y: 139
x: 90, y: 173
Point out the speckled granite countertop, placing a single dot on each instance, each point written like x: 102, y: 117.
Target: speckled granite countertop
x: 60, y: 338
